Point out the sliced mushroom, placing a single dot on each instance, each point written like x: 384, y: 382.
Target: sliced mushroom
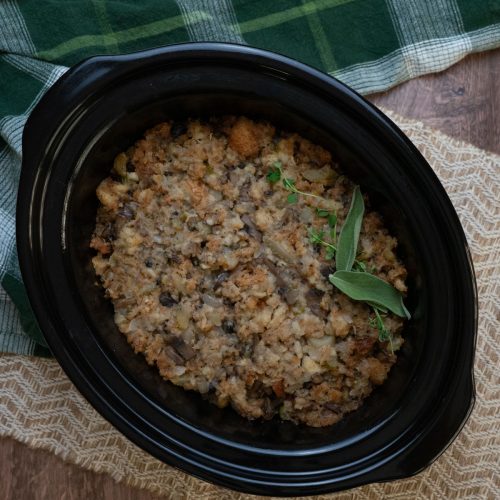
x: 280, y: 282
x: 256, y: 390
x: 220, y: 278
x: 291, y: 295
x: 325, y: 271
x: 270, y: 407
x: 228, y: 326
x: 251, y: 229
x: 291, y: 214
x: 185, y: 350
x: 333, y: 407
x: 313, y: 299
x: 173, y: 355
x: 249, y: 347
x: 167, y: 300
x: 128, y: 210
x: 245, y: 191
x: 280, y: 250
x: 108, y: 232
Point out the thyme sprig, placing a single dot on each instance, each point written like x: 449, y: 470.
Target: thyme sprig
x: 331, y: 217
x: 276, y: 174
x: 383, y: 334
x: 317, y: 238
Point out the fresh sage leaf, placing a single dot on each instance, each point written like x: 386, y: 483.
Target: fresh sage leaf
x: 377, y: 306
x: 368, y: 288
x: 349, y: 235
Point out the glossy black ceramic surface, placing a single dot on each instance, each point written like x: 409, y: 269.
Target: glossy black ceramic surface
x: 99, y: 108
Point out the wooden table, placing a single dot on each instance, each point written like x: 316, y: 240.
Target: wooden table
x: 463, y: 102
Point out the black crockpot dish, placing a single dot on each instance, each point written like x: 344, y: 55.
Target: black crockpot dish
x: 99, y: 108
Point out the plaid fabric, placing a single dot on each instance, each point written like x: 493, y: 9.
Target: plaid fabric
x: 369, y: 44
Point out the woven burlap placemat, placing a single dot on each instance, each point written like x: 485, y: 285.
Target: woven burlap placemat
x: 40, y: 407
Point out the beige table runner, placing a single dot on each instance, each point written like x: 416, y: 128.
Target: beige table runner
x: 40, y: 407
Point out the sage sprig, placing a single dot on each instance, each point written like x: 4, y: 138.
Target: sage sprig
x: 351, y: 276
x: 368, y: 288
x: 349, y: 234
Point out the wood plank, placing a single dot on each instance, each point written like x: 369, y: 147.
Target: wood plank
x: 463, y: 101
x: 28, y: 474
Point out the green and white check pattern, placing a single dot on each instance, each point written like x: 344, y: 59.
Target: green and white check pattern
x: 371, y: 45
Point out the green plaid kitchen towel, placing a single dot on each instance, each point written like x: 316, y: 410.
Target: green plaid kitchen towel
x: 369, y: 44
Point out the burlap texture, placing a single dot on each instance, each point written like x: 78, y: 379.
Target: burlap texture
x: 40, y: 407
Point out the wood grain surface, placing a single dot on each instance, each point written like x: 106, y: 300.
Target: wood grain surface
x: 463, y: 102
x: 27, y: 474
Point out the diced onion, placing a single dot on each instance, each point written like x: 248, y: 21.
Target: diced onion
x: 211, y: 301
x: 323, y: 174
